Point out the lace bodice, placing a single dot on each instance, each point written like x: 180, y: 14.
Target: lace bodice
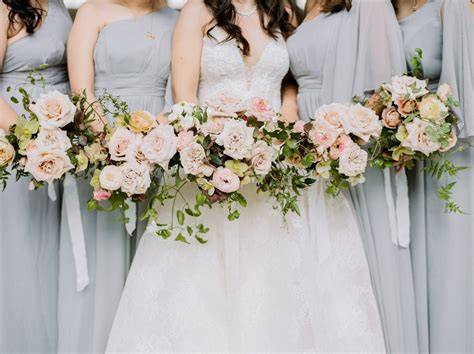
x: 223, y: 70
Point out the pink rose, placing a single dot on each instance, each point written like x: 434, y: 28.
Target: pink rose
x: 213, y: 125
x: 391, y: 118
x: 260, y: 109
x: 299, y: 127
x: 342, y: 142
x: 225, y: 180
x: 224, y: 106
x: 102, y: 194
x: 405, y: 108
x: 323, y: 134
x: 185, y: 138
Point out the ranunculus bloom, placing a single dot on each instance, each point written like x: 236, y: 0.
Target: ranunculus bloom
x: 141, y: 122
x: 225, y: 180
x: 444, y: 92
x: 7, y: 152
x: 259, y: 108
x: 47, y: 165
x: 262, y: 158
x: 120, y: 143
x: 431, y: 108
x: 53, y: 139
x: 102, y: 194
x: 160, y: 145
x: 110, y: 178
x: 353, y: 161
x: 342, y: 142
x: 136, y: 178
x: 323, y: 135
x: 237, y: 139
x: 224, y: 106
x: 361, y: 122
x: 54, y: 110
x: 391, y: 119
x: 184, y: 139
x: 418, y: 139
x: 192, y: 158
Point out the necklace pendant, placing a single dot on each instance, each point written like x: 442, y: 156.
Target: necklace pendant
x: 150, y: 36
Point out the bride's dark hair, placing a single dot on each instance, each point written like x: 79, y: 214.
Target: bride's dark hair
x: 274, y: 18
x: 331, y: 6
x: 23, y: 11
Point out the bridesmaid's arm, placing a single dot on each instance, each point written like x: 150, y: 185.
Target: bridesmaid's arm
x: 80, y: 56
x: 186, y: 51
x: 7, y: 113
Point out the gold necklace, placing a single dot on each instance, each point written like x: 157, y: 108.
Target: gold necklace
x: 415, y: 5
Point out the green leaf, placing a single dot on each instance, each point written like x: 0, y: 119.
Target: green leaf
x: 201, y: 240
x: 180, y: 217
x: 189, y: 229
x: 181, y: 238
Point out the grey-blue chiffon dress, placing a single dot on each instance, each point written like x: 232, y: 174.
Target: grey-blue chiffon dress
x: 29, y: 221
x: 443, y: 254
x: 132, y: 61
x: 334, y: 57
x: 423, y: 29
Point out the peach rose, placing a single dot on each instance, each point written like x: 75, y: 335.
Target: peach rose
x: 7, y: 152
x: 54, y: 110
x: 361, y: 122
x: 160, y: 145
x: 213, y: 125
x: 136, y: 178
x: 121, y: 141
x: 47, y: 165
x: 391, y: 119
x: 331, y: 114
x: 141, y: 122
x: 418, y: 139
x: 184, y: 139
x: 323, y: 134
x: 353, y: 161
x: 262, y: 158
x: 53, y: 139
x: 224, y: 106
x: 225, y: 180
x: 405, y: 107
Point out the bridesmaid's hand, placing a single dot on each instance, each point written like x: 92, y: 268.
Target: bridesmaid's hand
x: 162, y: 118
x: 289, y: 113
x: 7, y: 115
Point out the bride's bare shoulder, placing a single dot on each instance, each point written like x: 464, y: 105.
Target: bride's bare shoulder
x: 197, y: 13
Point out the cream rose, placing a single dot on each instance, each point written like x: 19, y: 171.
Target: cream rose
x: 225, y: 180
x: 406, y: 88
x: 54, y: 110
x: 53, y: 139
x: 224, y: 106
x: 192, y: 158
x: 47, y: 165
x: 110, y: 178
x: 237, y: 139
x: 432, y: 109
x: 391, y: 119
x: 262, y: 158
x: 353, y: 161
x: 141, y: 122
x: 160, y: 145
x: 135, y: 178
x: 184, y: 139
x: 120, y: 143
x: 7, y: 152
x: 323, y: 135
x: 418, y: 139
x: 361, y: 122
x: 331, y: 114
x: 213, y: 126
x: 444, y: 92
x: 259, y: 108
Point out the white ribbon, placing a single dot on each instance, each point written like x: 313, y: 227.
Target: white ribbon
x: 398, y: 213
x: 131, y: 215
x: 320, y: 230
x: 52, y: 192
x: 71, y: 200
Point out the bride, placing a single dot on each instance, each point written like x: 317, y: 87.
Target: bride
x: 255, y: 286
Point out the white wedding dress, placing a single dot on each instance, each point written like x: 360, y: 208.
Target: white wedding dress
x: 257, y: 285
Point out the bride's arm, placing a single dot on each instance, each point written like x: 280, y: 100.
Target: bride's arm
x: 80, y: 56
x: 186, y: 51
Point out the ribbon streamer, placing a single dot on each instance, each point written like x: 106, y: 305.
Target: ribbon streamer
x: 131, y: 215
x: 52, y: 192
x: 71, y: 200
x: 320, y: 230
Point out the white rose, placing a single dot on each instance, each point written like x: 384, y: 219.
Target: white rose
x: 418, y: 139
x: 237, y: 139
x: 331, y: 114
x: 361, y: 122
x: 120, y: 143
x: 136, y: 178
x: 406, y: 88
x: 7, y: 152
x: 262, y: 158
x: 353, y: 161
x: 192, y: 158
x: 53, y: 139
x: 182, y: 115
x: 54, y: 110
x: 444, y: 92
x: 47, y: 165
x: 160, y: 145
x: 110, y: 178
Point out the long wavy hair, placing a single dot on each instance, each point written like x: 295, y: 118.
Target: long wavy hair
x: 274, y: 19
x: 332, y: 6
x: 23, y: 11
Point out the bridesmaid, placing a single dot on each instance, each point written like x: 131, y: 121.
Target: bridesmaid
x: 449, y: 237
x: 122, y: 47
x: 32, y: 33
x: 334, y: 55
x: 421, y: 25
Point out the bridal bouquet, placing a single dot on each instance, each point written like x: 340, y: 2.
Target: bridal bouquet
x: 418, y: 125
x: 219, y: 148
x: 39, y: 144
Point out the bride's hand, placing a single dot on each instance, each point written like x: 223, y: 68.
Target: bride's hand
x: 289, y: 113
x: 162, y: 118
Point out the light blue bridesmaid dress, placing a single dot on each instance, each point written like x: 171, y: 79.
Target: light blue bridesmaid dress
x: 132, y: 61
x: 334, y: 57
x: 446, y: 265
x: 29, y: 221
x: 423, y: 29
